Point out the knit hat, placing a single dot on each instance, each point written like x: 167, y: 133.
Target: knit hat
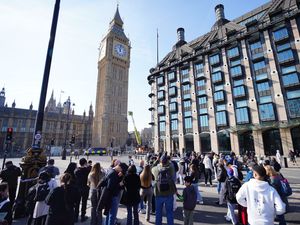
x: 230, y: 172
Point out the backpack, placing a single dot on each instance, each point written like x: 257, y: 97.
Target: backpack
x: 286, y: 189
x: 164, y: 179
x: 42, y: 190
x: 233, y: 185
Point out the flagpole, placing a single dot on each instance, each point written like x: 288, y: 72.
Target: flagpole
x: 157, y: 57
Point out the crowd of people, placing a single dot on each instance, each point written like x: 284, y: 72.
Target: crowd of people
x: 151, y: 190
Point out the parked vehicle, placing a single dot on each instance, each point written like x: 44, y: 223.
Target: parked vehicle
x: 95, y: 151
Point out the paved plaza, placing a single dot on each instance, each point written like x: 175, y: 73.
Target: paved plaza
x: 209, y: 213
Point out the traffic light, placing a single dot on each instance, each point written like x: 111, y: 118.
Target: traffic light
x: 9, y: 134
x: 73, y: 139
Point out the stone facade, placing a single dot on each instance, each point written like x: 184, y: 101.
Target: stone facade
x: 111, y: 124
x: 236, y: 88
x: 55, y: 123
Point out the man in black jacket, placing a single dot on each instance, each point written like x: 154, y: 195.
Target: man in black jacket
x: 10, y: 175
x: 81, y: 175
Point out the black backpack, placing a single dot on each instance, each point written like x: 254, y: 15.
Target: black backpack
x: 233, y: 185
x: 164, y: 180
x: 42, y: 190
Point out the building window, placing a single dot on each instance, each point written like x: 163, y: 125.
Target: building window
x: 203, y: 119
x: 4, y: 125
x: 293, y: 94
x: 285, y: 56
x: 233, y: 52
x: 221, y: 118
x: 219, y: 87
x: 290, y: 79
x: 256, y: 50
x: 214, y: 59
x: 173, y: 107
x: 172, y: 76
x: 174, y: 126
x: 280, y: 34
x: 266, y: 112
x: 219, y: 96
x: 187, y: 108
x: 188, y: 125
x: 162, y: 128
x: 242, y: 115
x: 282, y: 47
x: 172, y: 91
x: 241, y: 103
x: 200, y: 87
x: 260, y: 67
x: 288, y: 69
x: 160, y: 95
x: 161, y: 110
x: 221, y: 107
x: 239, y: 91
x: 294, y: 107
x: 173, y: 116
x: 185, y: 75
x: 160, y: 81
x: 236, y: 71
x: 186, y: 93
x: 235, y: 62
x: 263, y: 89
x: 217, y: 77
x: 199, y: 70
x: 238, y: 82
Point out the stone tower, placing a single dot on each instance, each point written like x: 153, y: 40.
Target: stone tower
x: 2, y: 97
x: 110, y: 123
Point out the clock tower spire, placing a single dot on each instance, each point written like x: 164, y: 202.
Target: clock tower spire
x: 111, y: 106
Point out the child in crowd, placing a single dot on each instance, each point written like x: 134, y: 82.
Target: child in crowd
x: 189, y: 201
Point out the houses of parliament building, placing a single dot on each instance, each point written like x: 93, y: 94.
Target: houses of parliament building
x: 56, y: 121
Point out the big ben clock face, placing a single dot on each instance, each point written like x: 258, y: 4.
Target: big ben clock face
x: 120, y: 50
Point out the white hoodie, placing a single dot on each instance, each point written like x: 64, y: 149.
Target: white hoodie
x: 262, y: 202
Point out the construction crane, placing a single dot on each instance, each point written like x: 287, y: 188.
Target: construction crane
x: 136, y: 133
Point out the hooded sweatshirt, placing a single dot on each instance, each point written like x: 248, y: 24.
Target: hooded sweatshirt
x: 262, y: 202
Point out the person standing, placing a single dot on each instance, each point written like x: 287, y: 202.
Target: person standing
x: 261, y: 199
x: 94, y: 178
x: 221, y: 178
x: 208, y: 170
x: 194, y: 174
x: 278, y: 157
x: 232, y: 186
x: 5, y: 205
x: 132, y: 185
x: 164, y: 190
x: 52, y: 170
x: 10, y: 175
x: 189, y: 201
x: 81, y: 175
x: 146, y: 191
x: 62, y: 201
x: 114, y: 184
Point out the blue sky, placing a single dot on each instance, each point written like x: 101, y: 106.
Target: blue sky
x: 25, y: 27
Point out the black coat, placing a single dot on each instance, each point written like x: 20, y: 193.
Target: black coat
x: 132, y: 185
x: 62, y: 204
x: 10, y: 175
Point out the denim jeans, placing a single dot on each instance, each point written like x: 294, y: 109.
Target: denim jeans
x: 199, y: 196
x: 230, y: 212
x: 96, y: 217
x: 111, y: 217
x: 160, y: 201
x: 147, y: 193
x: 135, y: 215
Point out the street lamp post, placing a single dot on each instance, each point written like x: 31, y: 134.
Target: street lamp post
x: 35, y: 157
x: 64, y: 152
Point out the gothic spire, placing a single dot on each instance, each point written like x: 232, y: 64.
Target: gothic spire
x: 117, y: 18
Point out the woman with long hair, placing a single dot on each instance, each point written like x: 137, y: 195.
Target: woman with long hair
x: 71, y: 170
x: 94, y: 178
x: 62, y: 202
x: 132, y: 199
x: 146, y: 189
x: 194, y: 173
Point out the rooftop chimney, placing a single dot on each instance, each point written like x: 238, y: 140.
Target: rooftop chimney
x: 219, y: 10
x: 180, y: 34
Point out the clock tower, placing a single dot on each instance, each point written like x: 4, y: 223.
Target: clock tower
x: 110, y: 123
